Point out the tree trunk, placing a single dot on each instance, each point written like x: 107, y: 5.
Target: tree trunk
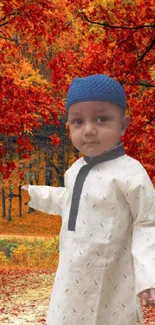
x: 31, y: 210
x: 49, y: 170
x: 61, y: 167
x: 10, y: 204
x: 3, y: 203
x: 20, y: 200
x: 37, y: 172
x: 61, y: 155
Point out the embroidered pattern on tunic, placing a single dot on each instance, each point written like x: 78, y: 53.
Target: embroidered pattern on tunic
x: 110, y: 257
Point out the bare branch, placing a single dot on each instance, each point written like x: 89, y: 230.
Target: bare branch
x: 106, y: 24
x: 127, y: 38
x: 1, y: 25
x: 147, y: 85
x: 120, y: 44
x: 151, y: 120
x: 14, y: 14
x: 6, y: 17
x: 6, y: 38
x: 148, y: 49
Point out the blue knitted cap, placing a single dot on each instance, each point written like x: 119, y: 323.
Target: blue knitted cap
x: 96, y: 87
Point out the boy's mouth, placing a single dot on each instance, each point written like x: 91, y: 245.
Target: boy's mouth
x: 91, y: 142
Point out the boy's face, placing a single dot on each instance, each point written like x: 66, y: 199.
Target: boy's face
x: 96, y: 126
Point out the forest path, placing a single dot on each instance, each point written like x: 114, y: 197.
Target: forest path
x: 25, y: 296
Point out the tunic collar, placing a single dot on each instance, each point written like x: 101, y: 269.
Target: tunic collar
x: 108, y: 155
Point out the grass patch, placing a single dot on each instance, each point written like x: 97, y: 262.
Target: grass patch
x: 23, y: 253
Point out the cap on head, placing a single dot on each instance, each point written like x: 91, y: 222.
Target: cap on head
x: 96, y: 87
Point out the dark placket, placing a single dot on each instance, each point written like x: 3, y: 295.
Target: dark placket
x: 80, y: 179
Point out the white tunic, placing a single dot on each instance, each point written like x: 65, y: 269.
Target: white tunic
x: 110, y: 257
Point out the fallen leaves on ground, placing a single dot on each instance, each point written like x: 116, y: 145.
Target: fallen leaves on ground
x: 25, y: 296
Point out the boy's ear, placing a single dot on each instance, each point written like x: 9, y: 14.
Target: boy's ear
x: 125, y: 124
x: 67, y: 125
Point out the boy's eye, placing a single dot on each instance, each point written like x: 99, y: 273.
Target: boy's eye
x: 77, y: 121
x: 101, y: 118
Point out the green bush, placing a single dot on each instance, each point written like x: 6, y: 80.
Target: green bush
x: 26, y: 253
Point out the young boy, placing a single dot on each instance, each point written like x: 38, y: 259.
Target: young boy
x: 107, y: 238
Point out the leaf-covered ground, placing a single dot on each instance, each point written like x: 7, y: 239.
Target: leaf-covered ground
x: 24, y: 296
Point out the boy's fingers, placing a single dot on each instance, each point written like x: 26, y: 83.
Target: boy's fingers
x: 143, y: 302
x: 24, y: 187
x: 148, y: 297
x: 152, y: 293
x: 145, y: 297
x: 151, y: 302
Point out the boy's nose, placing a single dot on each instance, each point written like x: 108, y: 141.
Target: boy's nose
x: 89, y: 129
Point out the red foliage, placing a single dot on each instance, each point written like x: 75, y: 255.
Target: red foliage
x: 55, y: 140
x: 115, y: 38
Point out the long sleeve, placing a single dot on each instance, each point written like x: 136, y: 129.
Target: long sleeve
x: 141, y: 198
x: 47, y: 199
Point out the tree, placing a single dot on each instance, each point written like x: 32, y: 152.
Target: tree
x: 116, y: 38
x: 27, y: 103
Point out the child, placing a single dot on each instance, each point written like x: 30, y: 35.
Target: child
x: 107, y: 238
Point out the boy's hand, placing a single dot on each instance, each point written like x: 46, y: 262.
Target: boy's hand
x: 25, y: 187
x: 148, y: 297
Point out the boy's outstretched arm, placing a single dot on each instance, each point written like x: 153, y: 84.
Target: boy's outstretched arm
x: 141, y: 199
x: 46, y: 198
